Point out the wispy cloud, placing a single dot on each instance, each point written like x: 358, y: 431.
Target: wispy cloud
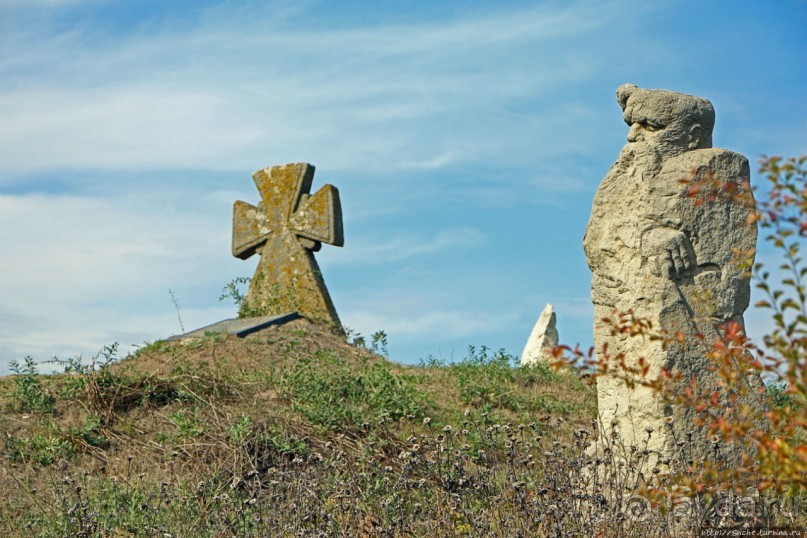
x: 218, y: 95
x: 400, y: 247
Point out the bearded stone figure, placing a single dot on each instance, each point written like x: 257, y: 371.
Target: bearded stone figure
x: 656, y: 252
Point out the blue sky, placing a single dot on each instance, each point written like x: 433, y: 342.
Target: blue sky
x: 466, y: 139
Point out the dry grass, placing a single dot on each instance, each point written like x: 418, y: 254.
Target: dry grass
x: 296, y: 401
x: 294, y: 432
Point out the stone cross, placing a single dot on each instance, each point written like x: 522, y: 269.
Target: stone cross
x: 653, y: 250
x: 286, y: 228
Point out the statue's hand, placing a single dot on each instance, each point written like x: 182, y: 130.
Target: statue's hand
x: 672, y: 254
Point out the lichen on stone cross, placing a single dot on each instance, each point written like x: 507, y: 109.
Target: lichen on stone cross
x: 286, y: 228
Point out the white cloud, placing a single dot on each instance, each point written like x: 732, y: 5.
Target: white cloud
x: 117, y: 128
x: 220, y: 95
x: 384, y: 249
x: 85, y: 247
x: 81, y: 272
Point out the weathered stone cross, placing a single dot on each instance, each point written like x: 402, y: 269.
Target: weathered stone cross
x: 288, y: 225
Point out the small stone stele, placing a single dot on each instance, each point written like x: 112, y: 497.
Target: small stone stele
x: 543, y: 338
x: 285, y: 229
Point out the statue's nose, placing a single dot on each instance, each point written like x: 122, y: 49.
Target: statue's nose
x: 635, y: 133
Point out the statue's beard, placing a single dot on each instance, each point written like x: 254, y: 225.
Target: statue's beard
x: 639, y: 155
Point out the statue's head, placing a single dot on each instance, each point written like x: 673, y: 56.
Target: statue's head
x: 671, y: 122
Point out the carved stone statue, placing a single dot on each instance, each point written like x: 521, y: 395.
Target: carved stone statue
x: 656, y: 252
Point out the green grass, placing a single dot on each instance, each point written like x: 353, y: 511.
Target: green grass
x: 297, y: 433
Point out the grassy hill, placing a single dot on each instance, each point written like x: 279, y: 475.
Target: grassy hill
x: 290, y: 432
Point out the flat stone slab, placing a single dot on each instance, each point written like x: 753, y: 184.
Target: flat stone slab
x: 240, y: 327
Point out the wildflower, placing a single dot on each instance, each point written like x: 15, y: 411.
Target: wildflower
x: 715, y: 439
x: 426, y: 421
x: 447, y: 428
x: 649, y: 429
